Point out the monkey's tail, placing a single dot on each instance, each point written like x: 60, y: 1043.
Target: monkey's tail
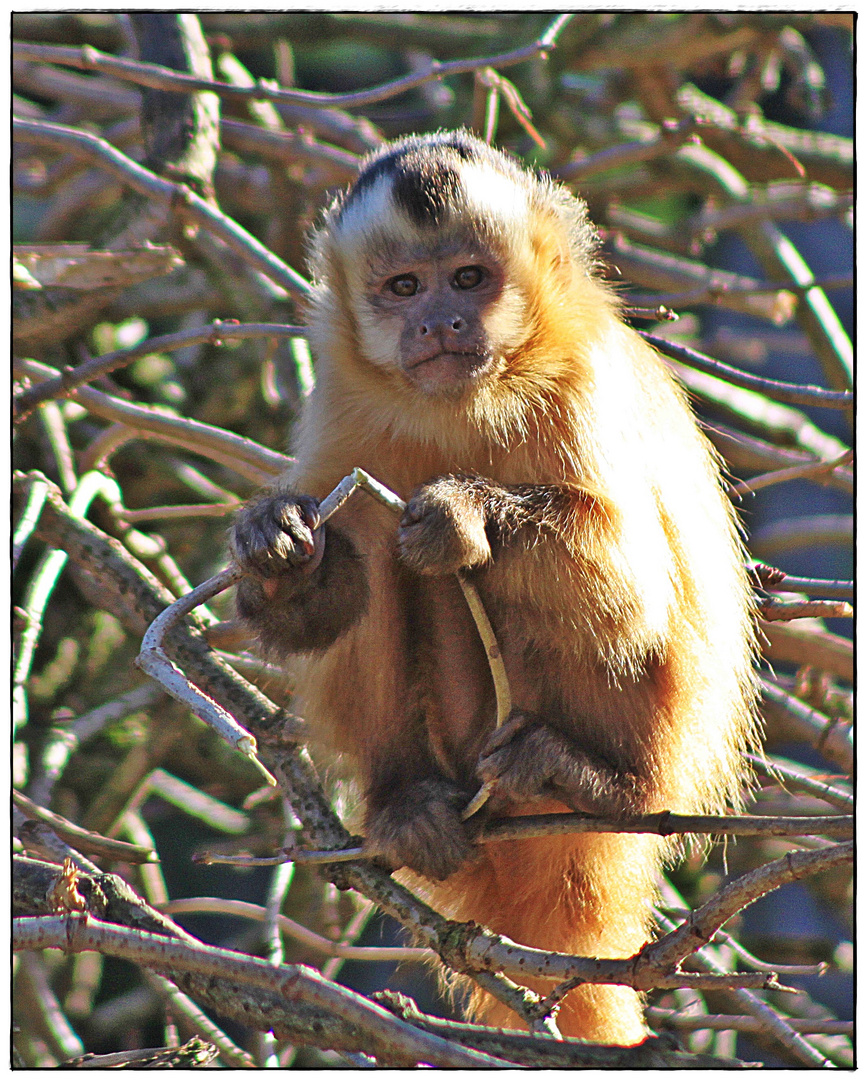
x: 586, y: 895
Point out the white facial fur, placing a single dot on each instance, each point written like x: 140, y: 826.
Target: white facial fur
x: 373, y: 229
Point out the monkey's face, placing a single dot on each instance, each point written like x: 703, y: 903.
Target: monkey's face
x: 428, y: 254
x: 440, y: 312
x: 430, y: 310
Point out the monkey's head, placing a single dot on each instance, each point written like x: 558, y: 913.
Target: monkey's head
x: 432, y: 260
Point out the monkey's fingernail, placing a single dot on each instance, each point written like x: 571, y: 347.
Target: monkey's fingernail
x: 315, y: 551
x: 310, y: 517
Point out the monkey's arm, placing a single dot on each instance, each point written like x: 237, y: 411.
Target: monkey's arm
x: 464, y: 522
x: 305, y: 584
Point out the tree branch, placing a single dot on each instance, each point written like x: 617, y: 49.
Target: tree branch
x: 178, y: 197
x: 162, y: 78
x: 378, y: 1031
x: 70, y: 379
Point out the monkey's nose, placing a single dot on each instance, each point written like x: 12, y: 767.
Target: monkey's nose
x: 445, y: 327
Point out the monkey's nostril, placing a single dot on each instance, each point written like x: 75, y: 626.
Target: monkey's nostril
x: 422, y: 330
x: 458, y: 324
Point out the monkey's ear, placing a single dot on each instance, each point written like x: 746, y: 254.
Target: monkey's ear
x: 551, y: 248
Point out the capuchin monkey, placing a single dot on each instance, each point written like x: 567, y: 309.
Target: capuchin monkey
x: 470, y: 358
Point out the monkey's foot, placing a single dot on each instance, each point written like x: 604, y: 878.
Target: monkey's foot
x: 420, y: 827
x: 527, y: 759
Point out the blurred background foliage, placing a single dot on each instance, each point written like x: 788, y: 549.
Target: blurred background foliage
x: 715, y: 153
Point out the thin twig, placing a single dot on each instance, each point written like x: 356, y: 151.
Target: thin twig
x: 669, y: 1019
x: 801, y: 780
x: 63, y: 385
x: 777, y: 256
x: 90, y: 842
x: 530, y: 826
x: 178, y: 512
x: 192, y: 800
x: 161, y: 78
x: 33, y: 508
x: 797, y: 472
x: 63, y: 740
x: 43, y: 583
x: 39, y: 996
x: 785, y: 610
x: 153, y: 660
x: 669, y: 138
x: 240, y: 908
x: 799, y: 202
x: 666, y: 272
x: 777, y: 391
x: 775, y: 580
x: 181, y: 1004
x: 33, y: 880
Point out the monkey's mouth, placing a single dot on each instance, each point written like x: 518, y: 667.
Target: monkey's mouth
x: 443, y: 370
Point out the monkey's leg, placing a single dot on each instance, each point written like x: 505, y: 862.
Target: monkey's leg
x: 418, y: 824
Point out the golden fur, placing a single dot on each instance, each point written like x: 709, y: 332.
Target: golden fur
x: 627, y: 612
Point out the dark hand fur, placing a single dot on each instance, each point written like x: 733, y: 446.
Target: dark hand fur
x: 295, y: 606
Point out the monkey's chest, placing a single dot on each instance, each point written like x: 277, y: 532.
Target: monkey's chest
x: 452, y: 679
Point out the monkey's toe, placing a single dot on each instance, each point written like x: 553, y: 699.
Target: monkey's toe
x: 521, y: 758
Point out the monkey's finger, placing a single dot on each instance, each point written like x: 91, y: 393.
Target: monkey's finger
x: 490, y: 769
x: 297, y: 520
x: 308, y: 509
x: 413, y: 513
x: 305, y: 552
x: 287, y: 537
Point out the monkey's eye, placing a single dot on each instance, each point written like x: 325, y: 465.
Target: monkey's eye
x: 404, y: 285
x: 468, y: 277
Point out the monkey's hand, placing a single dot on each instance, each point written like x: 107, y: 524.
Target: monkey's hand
x: 443, y: 527
x: 530, y: 760
x: 278, y: 532
x: 300, y: 593
x: 419, y: 826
